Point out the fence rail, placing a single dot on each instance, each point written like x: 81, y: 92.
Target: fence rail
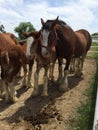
x: 95, y: 122
x: 95, y: 39
x: 92, y: 51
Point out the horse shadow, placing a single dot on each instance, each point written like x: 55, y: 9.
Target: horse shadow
x: 19, y: 88
x: 38, y: 110
x: 74, y: 81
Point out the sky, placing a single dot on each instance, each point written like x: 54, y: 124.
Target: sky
x: 78, y: 14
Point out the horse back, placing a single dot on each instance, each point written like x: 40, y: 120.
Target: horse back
x: 87, y: 36
x: 7, y: 39
x: 12, y: 56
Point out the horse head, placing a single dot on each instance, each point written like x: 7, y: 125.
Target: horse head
x: 33, y: 39
x: 49, y: 36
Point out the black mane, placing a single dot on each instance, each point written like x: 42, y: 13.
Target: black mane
x: 48, y: 23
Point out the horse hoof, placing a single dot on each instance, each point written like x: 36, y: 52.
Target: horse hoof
x: 78, y: 75
x: 51, y: 78
x: 34, y: 94
x: 29, y: 86
x: 71, y: 70
x: 63, y: 89
x: 14, y: 99
x: 59, y: 81
x: 11, y: 100
x: 2, y: 95
x: 44, y: 94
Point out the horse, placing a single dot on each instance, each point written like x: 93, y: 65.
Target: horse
x: 30, y: 62
x: 12, y: 58
x: 34, y: 47
x: 68, y: 44
x: 11, y: 36
x: 77, y: 63
x: 85, y: 38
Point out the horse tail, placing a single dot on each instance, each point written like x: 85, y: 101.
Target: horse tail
x: 5, y: 59
x: 89, y: 42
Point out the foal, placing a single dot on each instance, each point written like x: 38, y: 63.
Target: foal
x: 34, y: 47
x: 30, y: 62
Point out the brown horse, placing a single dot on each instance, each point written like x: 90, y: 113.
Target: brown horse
x: 30, y: 62
x: 12, y: 58
x: 56, y: 40
x: 68, y: 44
x: 34, y: 48
x: 85, y: 38
x: 77, y: 62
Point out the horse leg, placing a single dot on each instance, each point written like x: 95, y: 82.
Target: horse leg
x: 45, y: 85
x: 36, y: 77
x: 25, y: 73
x: 10, y: 80
x: 13, y: 92
x: 3, y: 91
x: 78, y: 68
x: 72, y: 65
x: 64, y: 84
x: 29, y: 85
x: 51, y: 71
x: 19, y: 75
x: 82, y: 61
x: 6, y: 90
x: 10, y: 93
x: 59, y: 80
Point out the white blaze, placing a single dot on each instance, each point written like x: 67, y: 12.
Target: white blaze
x: 45, y: 35
x: 29, y: 43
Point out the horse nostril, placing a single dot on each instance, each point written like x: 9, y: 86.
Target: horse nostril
x: 47, y: 53
x: 29, y: 56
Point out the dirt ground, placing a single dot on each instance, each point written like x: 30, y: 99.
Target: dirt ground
x: 58, y: 111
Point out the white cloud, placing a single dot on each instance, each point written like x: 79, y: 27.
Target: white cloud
x: 79, y: 14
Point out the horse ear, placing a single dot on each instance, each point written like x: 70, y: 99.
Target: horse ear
x: 25, y: 34
x: 57, y: 18
x: 37, y: 34
x: 42, y: 21
x: 55, y: 22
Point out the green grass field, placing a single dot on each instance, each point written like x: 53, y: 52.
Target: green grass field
x: 87, y: 109
x: 93, y: 54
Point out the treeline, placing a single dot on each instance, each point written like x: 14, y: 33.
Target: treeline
x: 28, y: 27
x: 22, y: 27
x: 95, y: 34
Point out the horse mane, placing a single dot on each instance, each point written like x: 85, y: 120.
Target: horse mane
x: 48, y: 24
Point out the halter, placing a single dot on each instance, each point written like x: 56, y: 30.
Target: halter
x: 52, y: 49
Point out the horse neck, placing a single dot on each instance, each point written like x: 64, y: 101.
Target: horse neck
x: 42, y: 59
x: 38, y: 49
x: 64, y: 33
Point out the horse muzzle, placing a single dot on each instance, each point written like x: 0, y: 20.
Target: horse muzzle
x: 30, y: 57
x: 46, y: 54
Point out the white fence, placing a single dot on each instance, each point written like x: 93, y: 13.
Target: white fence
x: 95, y: 39
x: 92, y: 51
x: 95, y: 122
